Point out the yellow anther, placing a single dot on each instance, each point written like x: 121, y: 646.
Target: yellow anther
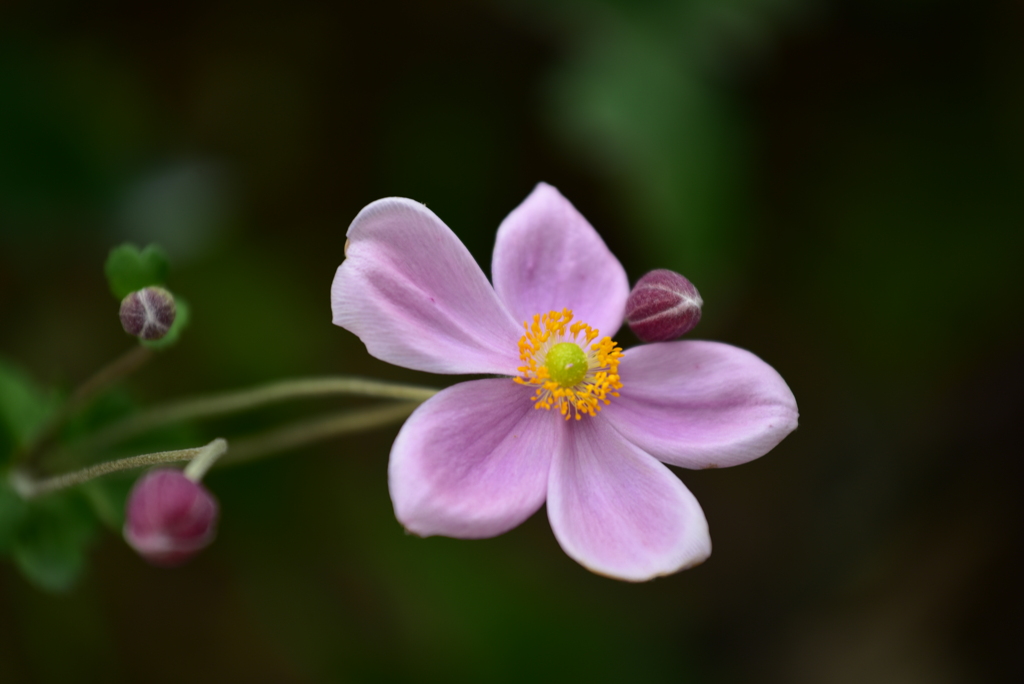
x: 582, y: 393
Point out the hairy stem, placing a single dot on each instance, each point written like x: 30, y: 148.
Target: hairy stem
x: 29, y: 487
x: 243, y: 400
x: 244, y: 450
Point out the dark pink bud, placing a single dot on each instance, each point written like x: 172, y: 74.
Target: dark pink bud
x: 663, y: 306
x: 148, y: 313
x: 169, y: 518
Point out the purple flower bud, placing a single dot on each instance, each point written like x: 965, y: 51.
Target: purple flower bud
x: 663, y: 306
x: 148, y: 313
x: 169, y: 518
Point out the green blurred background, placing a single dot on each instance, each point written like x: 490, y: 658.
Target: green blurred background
x: 843, y: 180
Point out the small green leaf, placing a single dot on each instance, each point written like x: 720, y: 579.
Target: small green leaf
x: 129, y: 269
x: 181, y: 319
x: 24, y: 408
x: 50, y: 543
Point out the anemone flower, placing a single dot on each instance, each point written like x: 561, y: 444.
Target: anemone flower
x: 571, y: 419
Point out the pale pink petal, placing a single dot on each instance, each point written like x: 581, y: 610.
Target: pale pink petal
x: 701, y: 404
x: 416, y: 298
x: 620, y: 513
x: 473, y: 460
x: 547, y: 257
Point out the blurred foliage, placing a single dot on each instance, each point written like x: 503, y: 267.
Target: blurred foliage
x: 13, y: 511
x: 47, y: 538
x: 24, y: 408
x: 50, y: 540
x: 646, y: 93
x: 129, y: 269
x: 184, y: 206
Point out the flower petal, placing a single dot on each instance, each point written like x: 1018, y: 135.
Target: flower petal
x: 548, y: 257
x: 619, y: 512
x: 473, y: 461
x: 701, y: 404
x: 416, y: 298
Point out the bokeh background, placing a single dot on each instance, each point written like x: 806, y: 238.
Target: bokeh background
x: 842, y: 179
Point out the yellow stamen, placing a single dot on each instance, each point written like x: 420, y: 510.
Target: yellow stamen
x: 588, y: 394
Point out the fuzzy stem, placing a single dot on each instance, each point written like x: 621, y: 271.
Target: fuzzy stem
x: 247, y: 449
x: 242, y: 400
x: 29, y: 487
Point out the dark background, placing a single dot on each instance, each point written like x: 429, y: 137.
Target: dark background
x: 844, y: 182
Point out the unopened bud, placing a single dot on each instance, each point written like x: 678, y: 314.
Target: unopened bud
x: 148, y: 313
x: 663, y: 306
x: 169, y: 518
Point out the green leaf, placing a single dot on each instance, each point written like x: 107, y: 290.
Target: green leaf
x: 181, y: 320
x: 24, y: 408
x: 50, y: 544
x: 129, y: 269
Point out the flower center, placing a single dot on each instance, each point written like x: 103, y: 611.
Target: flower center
x: 567, y: 364
x: 572, y: 372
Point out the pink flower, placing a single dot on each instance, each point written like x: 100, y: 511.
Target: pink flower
x: 572, y: 421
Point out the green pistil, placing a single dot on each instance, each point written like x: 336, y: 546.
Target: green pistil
x: 566, y: 363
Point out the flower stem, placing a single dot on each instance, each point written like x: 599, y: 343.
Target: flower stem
x: 242, y: 400
x: 316, y: 429
x: 248, y: 449
x: 205, y: 459
x: 29, y: 487
x: 122, y: 366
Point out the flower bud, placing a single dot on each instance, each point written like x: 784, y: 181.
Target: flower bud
x: 169, y: 518
x: 148, y: 313
x: 663, y: 306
